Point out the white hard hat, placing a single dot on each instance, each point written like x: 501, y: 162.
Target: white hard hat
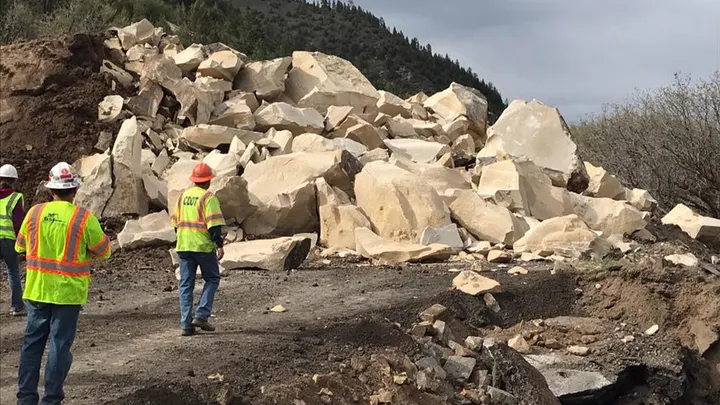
x: 63, y: 177
x: 8, y: 172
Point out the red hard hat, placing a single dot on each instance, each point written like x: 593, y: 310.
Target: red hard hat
x: 201, y: 173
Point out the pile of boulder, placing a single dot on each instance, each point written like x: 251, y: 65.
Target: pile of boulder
x: 307, y: 151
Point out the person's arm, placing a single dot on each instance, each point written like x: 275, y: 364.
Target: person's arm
x: 18, y: 215
x: 214, y: 220
x: 98, y: 243
x: 22, y: 234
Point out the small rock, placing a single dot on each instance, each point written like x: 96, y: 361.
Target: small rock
x: 325, y: 391
x: 588, y: 339
x: 434, y: 313
x: 442, y: 332
x: 382, y: 397
x: 421, y: 329
x: 429, y: 363
x: 652, y: 330
x: 628, y: 339
x: 474, y: 342
x: 500, y: 397
x: 553, y: 344
x: 400, y: 379
x: 491, y: 302
x: 715, y: 260
x: 472, y: 283
x: 578, y: 350
x: 520, y: 344
x: 518, y: 270
x: 278, y: 308
x: 688, y: 260
x: 459, y: 368
x: 499, y: 256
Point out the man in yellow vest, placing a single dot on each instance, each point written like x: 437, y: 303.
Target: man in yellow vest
x: 198, y: 222
x: 12, y: 212
x: 59, y: 240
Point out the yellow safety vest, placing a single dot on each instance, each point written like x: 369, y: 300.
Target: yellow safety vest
x: 59, y: 239
x: 197, y: 211
x: 7, y: 206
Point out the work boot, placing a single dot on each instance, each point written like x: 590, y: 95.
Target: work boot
x: 203, y: 324
x: 189, y: 332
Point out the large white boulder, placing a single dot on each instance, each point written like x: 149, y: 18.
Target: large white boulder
x: 317, y: 80
x: 128, y: 195
x: 208, y: 137
x: 96, y: 187
x: 461, y: 101
x: 232, y: 193
x: 189, y: 58
x: 603, y: 184
x: 235, y: 113
x: 640, y: 199
x: 221, y: 65
x: 278, y: 254
x: 438, y: 177
x: 486, y: 221
x: 398, y: 203
x: 609, y: 216
x: 178, y: 180
x: 282, y: 187
x: 704, y: 229
x: 141, y: 32
x: 150, y: 230
x: 156, y: 189
x: 538, y: 132
x: 417, y: 150
x: 264, y: 78
x: 110, y: 108
x: 393, y: 105
x: 338, y: 217
x: 567, y: 236
x: 283, y: 116
x: 385, y: 251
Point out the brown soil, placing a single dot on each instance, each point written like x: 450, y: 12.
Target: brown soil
x: 49, y: 90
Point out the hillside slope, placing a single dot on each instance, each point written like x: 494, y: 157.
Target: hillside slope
x: 262, y: 29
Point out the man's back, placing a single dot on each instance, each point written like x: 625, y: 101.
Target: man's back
x: 60, y: 239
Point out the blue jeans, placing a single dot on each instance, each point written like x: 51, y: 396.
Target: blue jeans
x: 10, y: 257
x: 59, y: 323
x: 189, y: 262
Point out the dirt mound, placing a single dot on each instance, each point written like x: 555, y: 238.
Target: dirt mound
x: 49, y: 92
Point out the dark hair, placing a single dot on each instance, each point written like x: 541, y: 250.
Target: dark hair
x: 204, y: 184
x: 64, y: 193
x: 6, y: 181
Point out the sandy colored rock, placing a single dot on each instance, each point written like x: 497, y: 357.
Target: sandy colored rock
x: 335, y: 116
x: 110, y: 108
x: 282, y: 187
x: 447, y: 235
x: 640, y: 199
x: 460, y: 101
x: 393, y: 105
x: 232, y: 192
x: 486, y: 221
x: 248, y: 98
x: 118, y: 73
x: 310, y: 142
x: 156, y: 190
x: 234, y: 113
x: 472, y: 283
x: 538, y: 132
x: 602, y: 184
x: 161, y: 70
x: 567, y: 236
x: 128, y: 196
x: 190, y: 58
x: 417, y: 150
x: 317, y: 80
x: 520, y: 344
x: 141, y: 32
x: 608, y: 216
x: 147, y: 101
x: 383, y: 192
x: 278, y: 254
x: 704, y: 229
x: 439, y: 177
x: 150, y: 230
x: 365, y: 134
x: 400, y: 128
x: 265, y: 78
x: 385, y: 251
x: 221, y: 65
x: 464, y: 144
x: 418, y: 98
x: 96, y: 187
x: 140, y: 53
x: 499, y: 256
x: 283, y: 116
x: 178, y: 180
x: 209, y: 137
x: 338, y: 217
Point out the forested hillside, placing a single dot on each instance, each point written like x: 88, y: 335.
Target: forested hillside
x: 262, y: 29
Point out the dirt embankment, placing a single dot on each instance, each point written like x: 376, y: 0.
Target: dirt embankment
x: 49, y: 93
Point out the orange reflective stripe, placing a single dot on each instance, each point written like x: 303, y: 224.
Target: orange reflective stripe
x: 190, y: 225
x: 102, y: 247
x: 75, y: 233
x: 34, y: 229
x: 214, y: 217
x: 20, y: 240
x: 201, y: 206
x: 59, y: 267
x: 59, y: 262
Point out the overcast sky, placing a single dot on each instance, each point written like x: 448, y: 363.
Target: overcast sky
x: 573, y: 54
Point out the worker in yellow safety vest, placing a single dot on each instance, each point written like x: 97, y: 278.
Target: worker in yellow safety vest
x: 12, y: 213
x: 59, y: 240
x: 198, y: 221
